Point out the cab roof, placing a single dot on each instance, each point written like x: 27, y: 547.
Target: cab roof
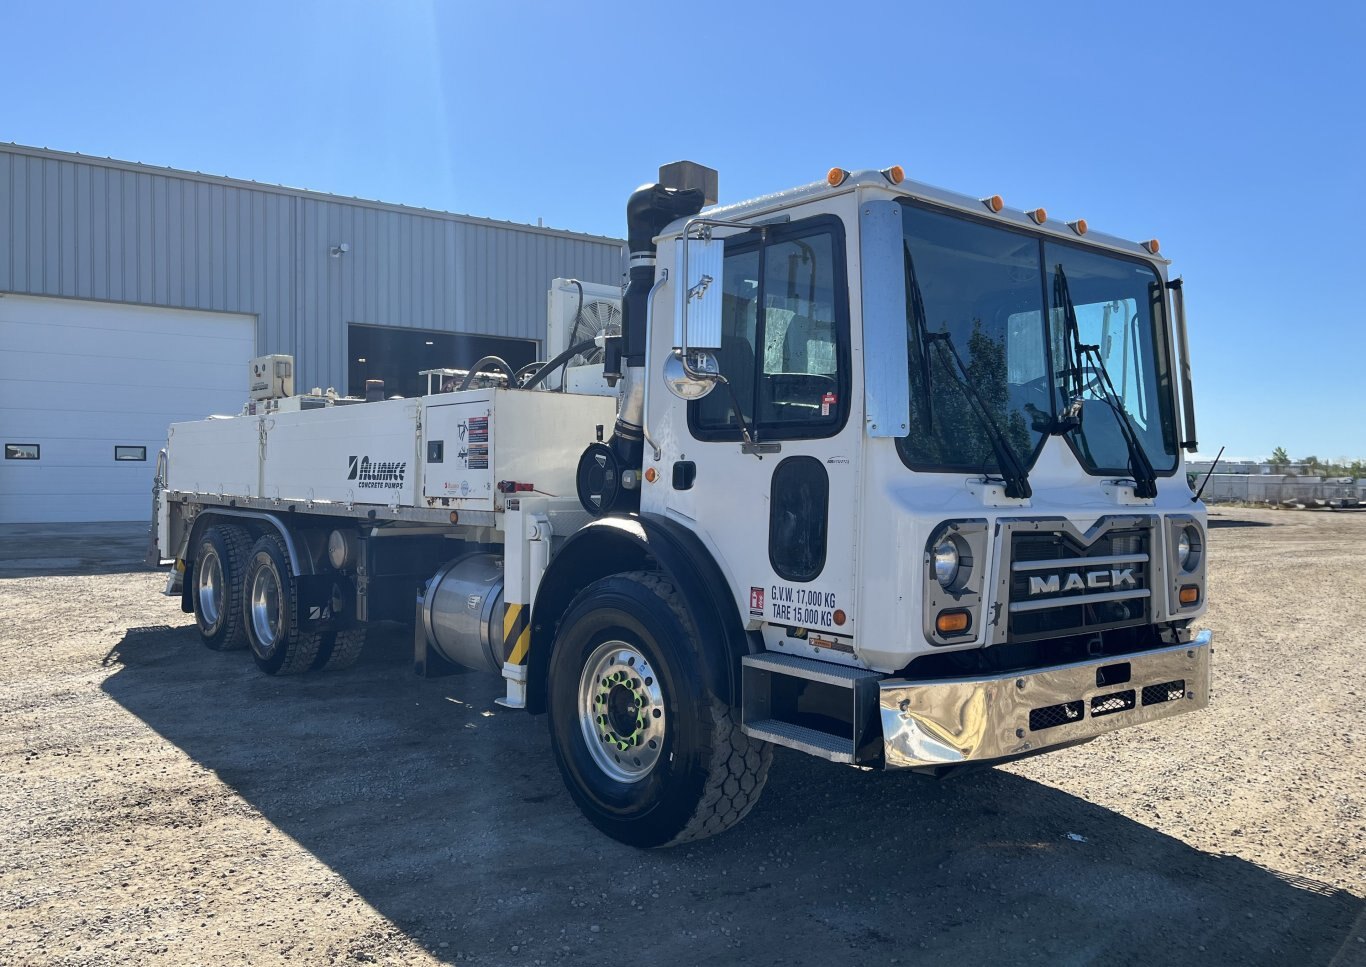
x: 871, y: 182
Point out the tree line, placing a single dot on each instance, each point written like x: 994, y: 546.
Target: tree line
x: 1280, y: 462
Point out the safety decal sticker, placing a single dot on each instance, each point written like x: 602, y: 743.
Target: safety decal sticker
x: 476, y: 457
x: 756, y: 602
x: 516, y: 633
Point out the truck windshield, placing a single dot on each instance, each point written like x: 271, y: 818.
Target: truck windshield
x: 1119, y: 311
x: 985, y: 286
x: 980, y: 284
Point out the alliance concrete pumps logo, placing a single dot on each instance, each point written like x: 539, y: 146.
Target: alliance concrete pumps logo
x: 372, y: 474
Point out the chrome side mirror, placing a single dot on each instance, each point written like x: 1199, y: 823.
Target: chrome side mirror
x: 696, y: 379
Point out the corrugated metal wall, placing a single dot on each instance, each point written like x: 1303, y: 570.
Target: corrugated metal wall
x: 78, y: 227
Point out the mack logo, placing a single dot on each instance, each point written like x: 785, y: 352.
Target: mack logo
x: 1114, y: 578
x: 368, y: 473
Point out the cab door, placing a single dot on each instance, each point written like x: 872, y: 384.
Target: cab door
x: 779, y: 512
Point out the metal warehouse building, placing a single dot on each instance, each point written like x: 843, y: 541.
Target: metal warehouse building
x: 133, y: 296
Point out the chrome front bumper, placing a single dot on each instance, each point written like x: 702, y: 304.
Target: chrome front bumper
x: 953, y: 721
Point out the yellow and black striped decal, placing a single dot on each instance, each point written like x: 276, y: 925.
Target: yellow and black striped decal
x: 516, y: 633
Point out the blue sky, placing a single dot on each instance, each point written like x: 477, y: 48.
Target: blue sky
x: 1235, y: 135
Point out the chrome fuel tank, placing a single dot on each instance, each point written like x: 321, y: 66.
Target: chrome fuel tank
x: 462, y: 612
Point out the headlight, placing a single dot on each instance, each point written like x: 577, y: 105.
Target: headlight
x: 945, y: 560
x: 1188, y: 548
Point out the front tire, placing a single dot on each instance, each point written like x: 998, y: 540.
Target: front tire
x: 219, y: 563
x: 650, y: 755
x: 272, y: 611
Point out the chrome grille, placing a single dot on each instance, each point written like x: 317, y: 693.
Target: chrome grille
x: 1052, y: 716
x: 1059, y: 585
x: 1166, y: 692
x: 1114, y: 702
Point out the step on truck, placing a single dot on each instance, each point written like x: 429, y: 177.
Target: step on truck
x: 879, y: 472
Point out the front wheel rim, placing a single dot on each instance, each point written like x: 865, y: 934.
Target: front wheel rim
x: 266, y: 618
x: 210, y: 581
x: 621, y: 711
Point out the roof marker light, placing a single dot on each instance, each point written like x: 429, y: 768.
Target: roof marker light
x: 1152, y: 245
x: 1079, y: 226
x: 1039, y: 215
x: 835, y: 177
x: 994, y: 203
x: 895, y: 174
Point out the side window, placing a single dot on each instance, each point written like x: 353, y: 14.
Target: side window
x: 784, y: 340
x: 739, y: 323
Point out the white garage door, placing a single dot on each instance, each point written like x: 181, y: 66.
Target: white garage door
x: 87, y: 390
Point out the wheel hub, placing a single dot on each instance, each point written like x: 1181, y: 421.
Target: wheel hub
x: 210, y: 574
x: 621, y: 711
x: 266, y: 617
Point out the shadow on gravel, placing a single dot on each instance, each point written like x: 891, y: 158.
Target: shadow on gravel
x: 1217, y: 522
x: 447, y: 814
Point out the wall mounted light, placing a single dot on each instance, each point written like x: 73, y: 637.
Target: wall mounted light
x: 337, y: 251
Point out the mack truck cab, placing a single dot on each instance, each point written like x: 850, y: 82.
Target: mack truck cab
x: 890, y: 475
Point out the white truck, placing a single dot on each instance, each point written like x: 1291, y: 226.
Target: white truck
x: 873, y: 470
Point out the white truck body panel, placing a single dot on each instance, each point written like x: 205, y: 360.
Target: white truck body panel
x: 220, y: 455
x: 381, y: 454
x: 492, y: 435
x: 364, y: 453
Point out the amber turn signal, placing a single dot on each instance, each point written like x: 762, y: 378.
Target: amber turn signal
x: 1079, y: 226
x: 1152, y: 245
x: 1190, y: 594
x: 1039, y: 215
x: 894, y: 174
x: 951, y: 622
x: 651, y: 475
x: 835, y: 177
x: 994, y: 203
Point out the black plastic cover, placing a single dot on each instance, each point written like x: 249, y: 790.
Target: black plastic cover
x: 799, y: 514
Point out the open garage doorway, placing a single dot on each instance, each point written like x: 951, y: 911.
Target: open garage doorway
x: 398, y: 355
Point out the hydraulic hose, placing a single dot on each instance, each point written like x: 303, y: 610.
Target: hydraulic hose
x: 558, y: 361
x: 474, y: 370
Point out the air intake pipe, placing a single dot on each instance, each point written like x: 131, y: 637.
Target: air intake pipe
x: 608, y: 476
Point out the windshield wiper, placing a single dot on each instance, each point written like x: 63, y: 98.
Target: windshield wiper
x: 915, y: 312
x: 1007, y: 460
x: 1145, y: 479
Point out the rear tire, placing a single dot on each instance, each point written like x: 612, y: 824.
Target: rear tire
x: 220, y: 561
x: 650, y: 755
x: 272, y: 612
x: 341, y: 648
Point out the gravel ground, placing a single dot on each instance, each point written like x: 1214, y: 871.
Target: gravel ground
x: 166, y: 804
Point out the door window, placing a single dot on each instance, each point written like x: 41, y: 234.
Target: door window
x: 784, y: 337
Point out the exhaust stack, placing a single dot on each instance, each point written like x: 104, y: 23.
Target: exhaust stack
x: 609, y: 473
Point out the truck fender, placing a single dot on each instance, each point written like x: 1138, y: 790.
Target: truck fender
x: 613, y: 545
x: 301, y: 558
